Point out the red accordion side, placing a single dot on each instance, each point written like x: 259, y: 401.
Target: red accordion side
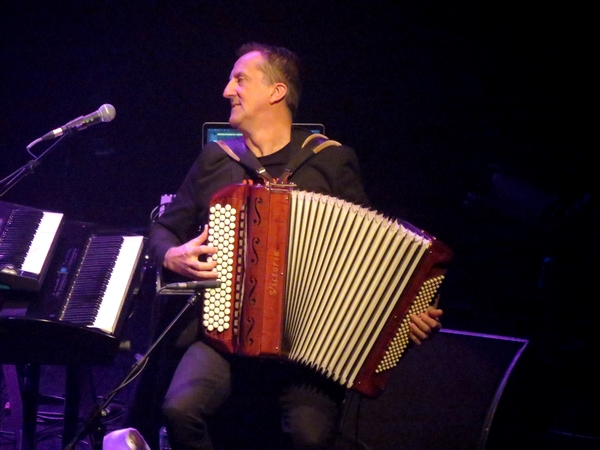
x: 258, y: 284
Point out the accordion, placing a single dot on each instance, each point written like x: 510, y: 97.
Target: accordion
x: 317, y: 280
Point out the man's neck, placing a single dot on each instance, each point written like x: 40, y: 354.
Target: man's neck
x: 268, y: 138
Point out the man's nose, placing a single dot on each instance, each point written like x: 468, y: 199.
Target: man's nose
x: 227, y: 91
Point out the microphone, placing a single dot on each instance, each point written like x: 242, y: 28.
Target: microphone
x: 105, y: 113
x: 195, y: 285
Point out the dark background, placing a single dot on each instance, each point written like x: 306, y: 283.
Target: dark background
x: 466, y: 118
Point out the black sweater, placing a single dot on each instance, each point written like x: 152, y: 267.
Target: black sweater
x: 333, y: 171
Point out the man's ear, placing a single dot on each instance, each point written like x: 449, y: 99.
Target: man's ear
x: 278, y: 94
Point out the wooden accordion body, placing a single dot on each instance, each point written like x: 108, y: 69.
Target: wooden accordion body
x: 317, y: 280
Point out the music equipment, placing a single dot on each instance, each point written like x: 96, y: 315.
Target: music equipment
x: 223, y: 131
x: 105, y: 113
x: 469, y: 380
x: 90, y: 281
x: 27, y: 238
x: 75, y: 318
x: 317, y: 280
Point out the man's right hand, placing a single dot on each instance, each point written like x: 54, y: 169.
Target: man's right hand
x: 185, y: 259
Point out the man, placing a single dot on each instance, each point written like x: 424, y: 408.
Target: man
x: 264, y: 91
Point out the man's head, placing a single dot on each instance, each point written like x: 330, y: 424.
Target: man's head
x: 264, y: 77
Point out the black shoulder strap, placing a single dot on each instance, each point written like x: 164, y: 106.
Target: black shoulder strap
x: 312, y: 145
x: 238, y: 151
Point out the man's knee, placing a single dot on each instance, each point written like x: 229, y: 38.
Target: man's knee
x: 310, y: 428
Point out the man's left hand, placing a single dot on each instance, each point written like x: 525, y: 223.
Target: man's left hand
x: 424, y: 324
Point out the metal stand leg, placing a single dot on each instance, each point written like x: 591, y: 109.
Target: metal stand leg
x: 14, y: 419
x: 29, y: 394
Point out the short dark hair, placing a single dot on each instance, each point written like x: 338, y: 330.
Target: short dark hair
x: 281, y: 66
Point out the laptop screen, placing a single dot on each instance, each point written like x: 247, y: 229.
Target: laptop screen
x: 221, y: 131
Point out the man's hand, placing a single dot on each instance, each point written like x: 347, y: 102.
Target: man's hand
x: 424, y: 324
x: 185, y: 261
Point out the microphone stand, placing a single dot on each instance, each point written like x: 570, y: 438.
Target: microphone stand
x: 10, y: 181
x: 93, y: 425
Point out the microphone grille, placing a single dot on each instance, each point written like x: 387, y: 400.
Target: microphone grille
x: 107, y: 112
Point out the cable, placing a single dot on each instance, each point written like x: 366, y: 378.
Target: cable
x: 353, y: 440
x: 8, y: 435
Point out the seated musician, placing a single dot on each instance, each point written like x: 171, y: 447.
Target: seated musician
x: 264, y: 91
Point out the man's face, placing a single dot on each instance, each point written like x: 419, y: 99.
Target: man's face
x: 247, y: 91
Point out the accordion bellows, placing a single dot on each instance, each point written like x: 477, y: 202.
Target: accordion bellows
x: 317, y: 280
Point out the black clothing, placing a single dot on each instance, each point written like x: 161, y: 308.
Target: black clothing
x: 334, y: 171
x: 204, y: 379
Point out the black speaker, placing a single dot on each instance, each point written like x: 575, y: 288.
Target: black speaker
x: 442, y: 395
